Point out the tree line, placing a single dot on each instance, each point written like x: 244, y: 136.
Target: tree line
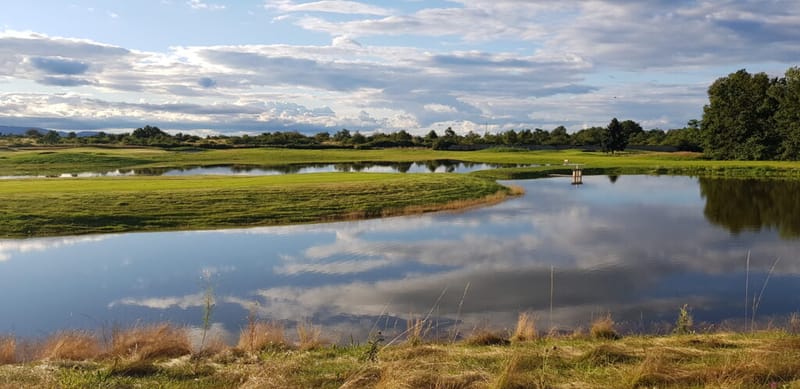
x: 612, y: 138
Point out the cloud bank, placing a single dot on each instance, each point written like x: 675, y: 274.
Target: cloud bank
x: 469, y: 64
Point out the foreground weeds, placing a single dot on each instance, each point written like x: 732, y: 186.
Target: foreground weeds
x: 160, y: 356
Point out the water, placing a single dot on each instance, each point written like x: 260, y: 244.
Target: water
x: 434, y: 166
x: 638, y: 248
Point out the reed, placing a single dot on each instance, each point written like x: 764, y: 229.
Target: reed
x: 604, y: 328
x: 150, y: 342
x: 260, y: 335
x: 72, y: 345
x: 8, y: 348
x: 525, y: 329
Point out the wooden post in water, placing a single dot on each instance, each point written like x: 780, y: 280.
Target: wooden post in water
x: 577, y: 175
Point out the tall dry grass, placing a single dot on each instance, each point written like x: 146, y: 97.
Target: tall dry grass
x: 308, y: 336
x: 260, y: 335
x: 525, y: 329
x: 414, y: 331
x: 604, y: 328
x: 71, y: 345
x: 8, y: 349
x: 150, y: 342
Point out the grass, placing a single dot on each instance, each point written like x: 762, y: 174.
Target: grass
x: 525, y: 329
x: 98, y: 205
x: 74, y: 160
x: 261, y: 335
x: 603, y: 328
x: 720, y: 360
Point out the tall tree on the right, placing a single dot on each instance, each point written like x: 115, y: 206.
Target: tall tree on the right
x: 738, y: 121
x: 786, y: 91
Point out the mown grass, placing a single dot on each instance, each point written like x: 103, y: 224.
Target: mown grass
x: 720, y: 360
x: 40, y: 207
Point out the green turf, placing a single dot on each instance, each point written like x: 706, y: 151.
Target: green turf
x: 38, y: 207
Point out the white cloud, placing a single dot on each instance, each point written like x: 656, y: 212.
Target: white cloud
x: 199, y: 4
x: 439, y: 108
x: 327, y: 6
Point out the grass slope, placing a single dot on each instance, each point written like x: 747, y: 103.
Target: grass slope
x: 79, y: 206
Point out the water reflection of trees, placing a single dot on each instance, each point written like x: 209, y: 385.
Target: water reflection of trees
x: 753, y: 204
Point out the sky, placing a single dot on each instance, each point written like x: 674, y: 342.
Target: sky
x: 252, y: 66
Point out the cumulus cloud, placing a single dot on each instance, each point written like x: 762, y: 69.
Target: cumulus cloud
x: 481, y: 64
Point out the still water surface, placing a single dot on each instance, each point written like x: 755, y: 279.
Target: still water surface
x: 433, y: 166
x: 638, y: 247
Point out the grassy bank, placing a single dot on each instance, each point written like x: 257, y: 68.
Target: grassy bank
x: 264, y: 357
x: 81, y: 206
x: 75, y: 160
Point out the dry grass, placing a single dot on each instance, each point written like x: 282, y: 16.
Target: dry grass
x: 414, y: 331
x: 8, y: 348
x: 260, y: 335
x: 526, y: 328
x: 308, y: 336
x: 485, y: 337
x: 603, y: 328
x: 71, y: 345
x: 150, y: 342
x: 794, y: 323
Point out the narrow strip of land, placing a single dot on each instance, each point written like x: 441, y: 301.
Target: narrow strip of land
x: 43, y: 207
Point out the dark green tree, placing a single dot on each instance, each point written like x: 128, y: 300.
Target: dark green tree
x: 592, y: 136
x: 559, y: 137
x: 786, y: 92
x: 631, y: 128
x: 614, y: 138
x: 738, y: 121
x: 148, y: 132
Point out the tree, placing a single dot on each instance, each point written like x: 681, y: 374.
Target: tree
x: 148, y: 132
x: 614, y: 138
x: 592, y: 136
x: 322, y: 137
x: 342, y: 135
x: 787, y: 117
x: 510, y: 138
x: 631, y: 128
x: 738, y: 121
x: 359, y: 138
x: 559, y: 136
x: 51, y: 138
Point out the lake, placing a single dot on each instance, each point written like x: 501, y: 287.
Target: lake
x: 637, y: 247
x: 433, y: 166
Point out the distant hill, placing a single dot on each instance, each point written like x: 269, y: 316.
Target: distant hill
x: 11, y: 130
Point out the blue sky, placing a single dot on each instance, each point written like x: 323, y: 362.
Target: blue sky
x: 250, y: 66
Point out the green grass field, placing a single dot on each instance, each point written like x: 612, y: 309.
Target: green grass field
x: 79, y: 206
